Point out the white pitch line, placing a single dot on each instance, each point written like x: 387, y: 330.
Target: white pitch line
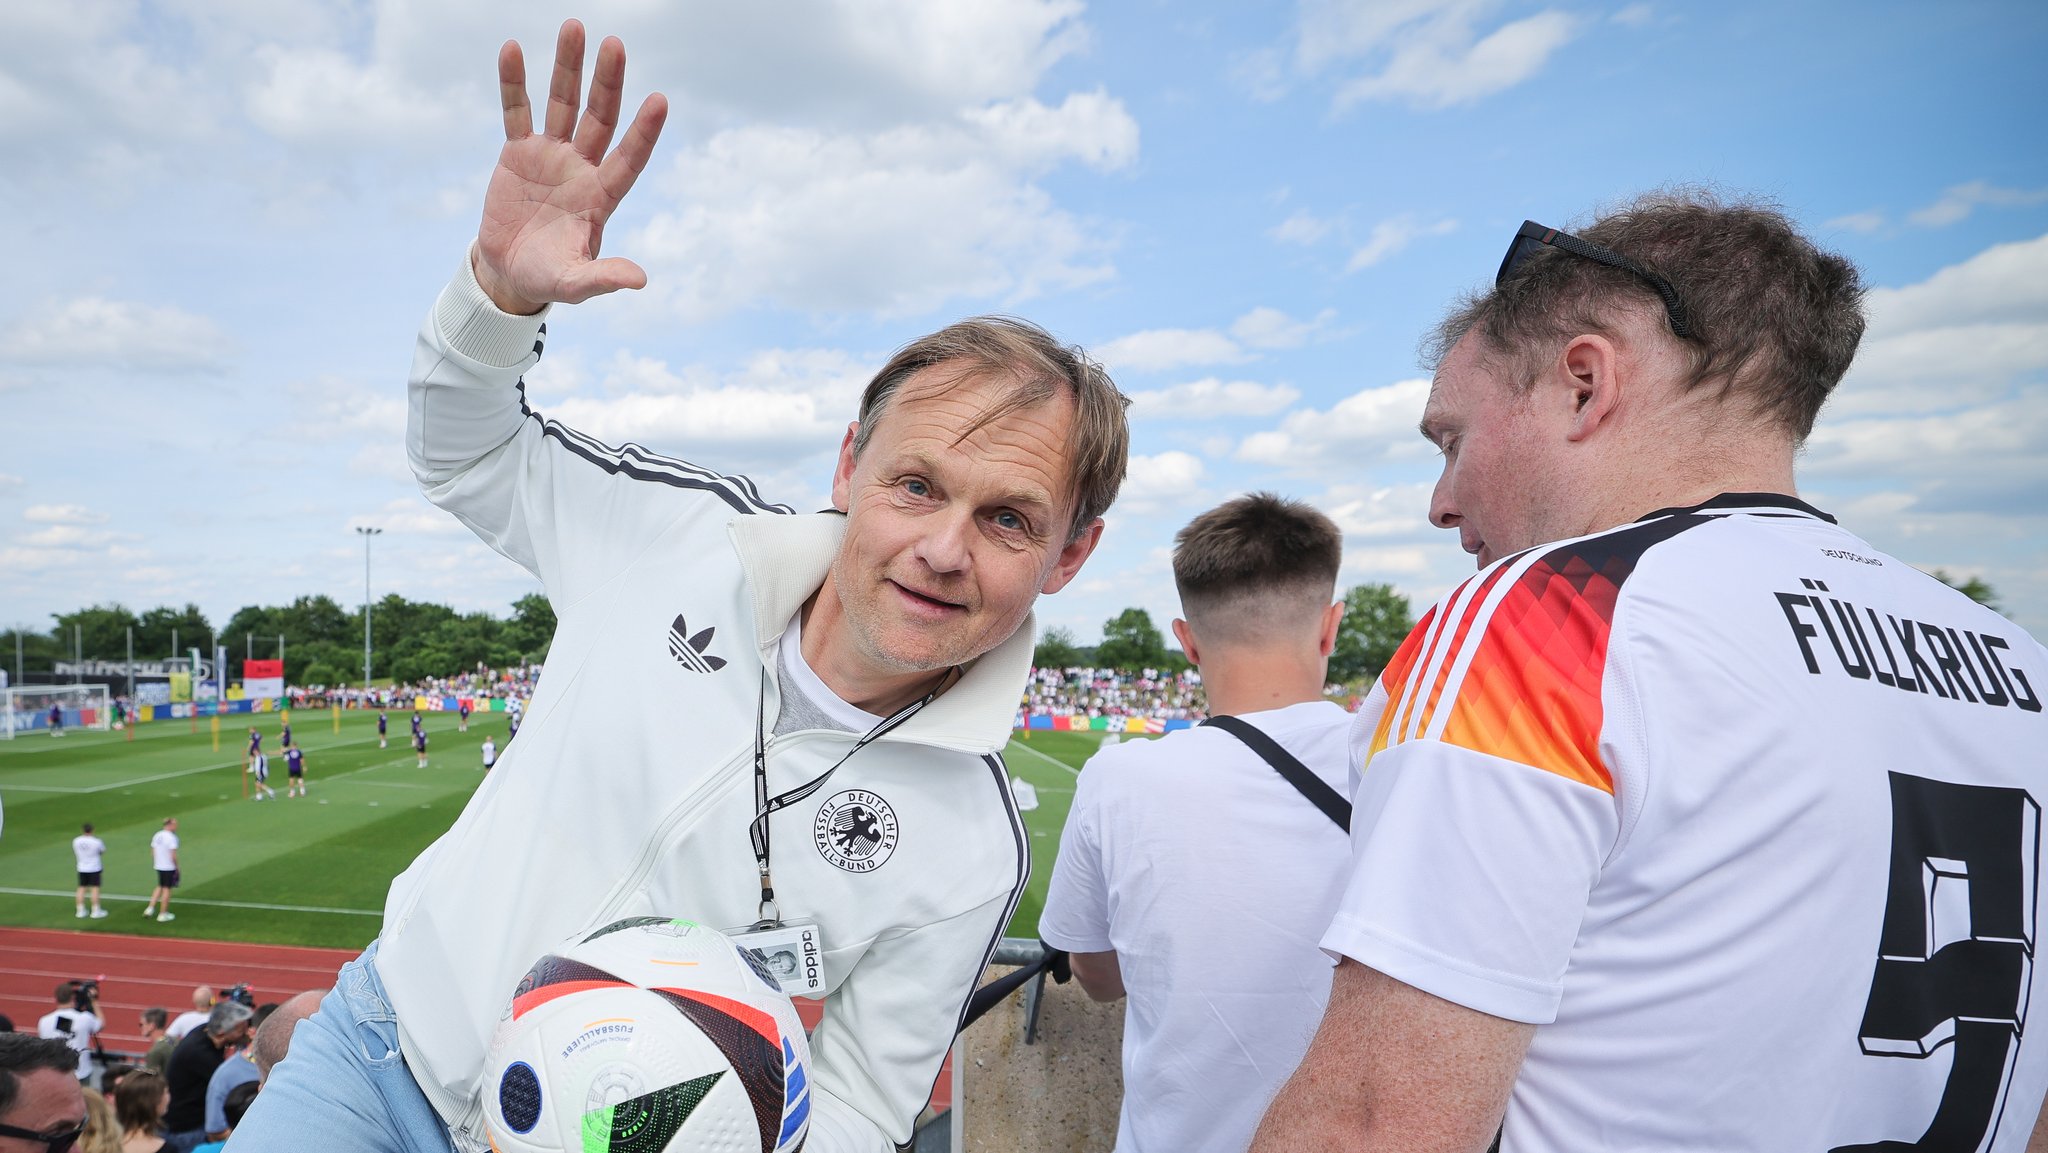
x: 1048, y: 760
x: 197, y: 901
x: 117, y: 784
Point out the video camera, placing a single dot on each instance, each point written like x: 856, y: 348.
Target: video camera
x: 242, y: 994
x: 84, y: 995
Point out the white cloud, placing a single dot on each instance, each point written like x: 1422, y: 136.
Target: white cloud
x: 1160, y: 349
x: 320, y: 96
x: 66, y: 536
x: 1161, y: 482
x: 1429, y: 53
x: 1864, y: 222
x: 77, y: 85
x: 1371, y: 425
x: 1996, y: 444
x: 2006, y: 282
x: 92, y: 331
x: 1635, y: 15
x: 410, y: 516
x: 1210, y: 398
x: 1302, y: 227
x: 839, y: 63
x: 8, y: 480
x: 1932, y: 450
x: 329, y: 408
x: 1261, y: 73
x: 1959, y: 201
x: 893, y: 222
x: 1272, y: 328
x: 71, y: 514
x: 1391, y: 236
x: 777, y: 409
x: 1963, y: 335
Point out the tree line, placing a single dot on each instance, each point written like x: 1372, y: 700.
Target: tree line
x: 1377, y: 618
x: 323, y: 642
x: 413, y: 640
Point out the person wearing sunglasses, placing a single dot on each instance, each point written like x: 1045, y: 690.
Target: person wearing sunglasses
x: 1691, y: 820
x: 42, y: 1107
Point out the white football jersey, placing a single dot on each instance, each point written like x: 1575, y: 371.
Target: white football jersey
x: 1742, y: 813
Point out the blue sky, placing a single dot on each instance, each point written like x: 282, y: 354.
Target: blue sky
x: 226, y: 220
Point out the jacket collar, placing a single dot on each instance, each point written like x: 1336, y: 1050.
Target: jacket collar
x: 786, y: 559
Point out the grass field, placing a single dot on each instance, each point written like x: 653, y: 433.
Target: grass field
x: 310, y: 870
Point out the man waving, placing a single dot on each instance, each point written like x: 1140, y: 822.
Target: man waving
x: 855, y: 669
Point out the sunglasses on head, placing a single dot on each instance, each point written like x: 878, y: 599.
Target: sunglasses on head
x: 1534, y: 236
x: 53, y: 1142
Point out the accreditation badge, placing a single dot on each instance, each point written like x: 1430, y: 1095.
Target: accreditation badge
x: 793, y: 952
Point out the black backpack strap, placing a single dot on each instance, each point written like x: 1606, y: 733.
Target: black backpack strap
x: 1052, y: 961
x: 1321, y: 795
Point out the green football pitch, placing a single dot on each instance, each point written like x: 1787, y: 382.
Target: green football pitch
x: 309, y: 870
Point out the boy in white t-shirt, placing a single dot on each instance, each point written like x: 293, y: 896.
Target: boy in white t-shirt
x: 1214, y: 937
x: 90, y: 852
x: 163, y: 852
x: 490, y: 754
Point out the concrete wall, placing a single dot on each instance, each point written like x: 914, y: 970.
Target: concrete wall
x: 1058, y: 1095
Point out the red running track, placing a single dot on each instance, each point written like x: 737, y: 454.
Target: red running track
x: 138, y: 972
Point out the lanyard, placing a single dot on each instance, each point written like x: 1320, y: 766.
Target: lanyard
x: 765, y: 805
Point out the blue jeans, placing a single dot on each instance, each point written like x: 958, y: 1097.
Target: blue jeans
x: 344, y: 1086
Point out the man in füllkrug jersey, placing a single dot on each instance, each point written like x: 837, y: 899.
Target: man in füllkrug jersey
x: 874, y: 655
x: 1693, y: 821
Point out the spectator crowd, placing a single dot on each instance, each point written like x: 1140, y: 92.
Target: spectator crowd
x: 185, y: 1094
x: 1153, y: 694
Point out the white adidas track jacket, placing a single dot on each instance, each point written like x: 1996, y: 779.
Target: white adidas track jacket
x: 630, y: 787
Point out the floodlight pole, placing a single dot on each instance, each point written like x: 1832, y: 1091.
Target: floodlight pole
x: 367, y: 533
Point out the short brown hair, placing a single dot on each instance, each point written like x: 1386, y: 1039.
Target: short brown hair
x: 1771, y: 314
x: 1099, y: 445
x: 1254, y: 562
x: 138, y: 1100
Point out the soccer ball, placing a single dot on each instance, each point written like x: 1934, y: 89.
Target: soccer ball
x: 650, y: 1035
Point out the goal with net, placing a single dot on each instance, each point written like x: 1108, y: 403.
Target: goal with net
x: 26, y: 709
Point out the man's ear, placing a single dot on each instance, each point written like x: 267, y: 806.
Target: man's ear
x: 1591, y: 373
x: 1333, y: 617
x: 842, y: 473
x: 1068, y: 563
x: 1186, y: 637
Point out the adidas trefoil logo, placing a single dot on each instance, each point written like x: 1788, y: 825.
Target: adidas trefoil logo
x: 689, y: 650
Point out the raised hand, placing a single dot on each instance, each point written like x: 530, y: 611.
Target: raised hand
x: 550, y: 195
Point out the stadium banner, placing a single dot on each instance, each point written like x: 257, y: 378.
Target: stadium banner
x: 1041, y: 722
x: 181, y: 686
x: 1098, y: 724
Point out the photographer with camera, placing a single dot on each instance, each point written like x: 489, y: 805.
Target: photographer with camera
x: 76, y: 1022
